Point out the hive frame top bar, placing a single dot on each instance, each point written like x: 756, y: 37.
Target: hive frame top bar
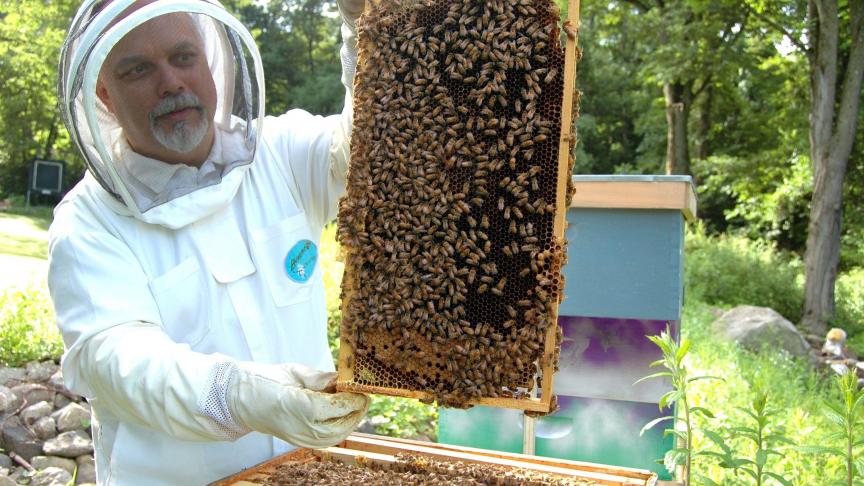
x: 542, y: 402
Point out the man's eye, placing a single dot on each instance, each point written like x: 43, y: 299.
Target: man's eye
x: 136, y: 71
x: 186, y: 58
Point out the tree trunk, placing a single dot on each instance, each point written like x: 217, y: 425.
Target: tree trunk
x: 678, y: 99
x: 702, y: 146
x: 831, y: 137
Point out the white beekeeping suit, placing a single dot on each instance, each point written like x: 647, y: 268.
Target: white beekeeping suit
x: 184, y: 267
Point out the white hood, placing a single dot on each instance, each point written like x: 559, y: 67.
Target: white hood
x: 235, y: 65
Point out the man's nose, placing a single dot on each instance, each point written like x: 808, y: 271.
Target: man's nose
x: 170, y: 83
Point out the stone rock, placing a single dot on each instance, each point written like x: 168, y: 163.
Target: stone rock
x: 12, y: 376
x: 44, y: 462
x: 34, y: 393
x: 73, y: 417
x: 45, y: 428
x: 86, y: 474
x: 7, y: 481
x: 85, y: 459
x: 61, y: 400
x: 53, y: 476
x: 754, y: 327
x: 69, y: 444
x: 37, y: 371
x: 19, y: 440
x: 9, y: 400
x: 5, y: 461
x: 56, y: 380
x: 36, y: 411
x: 839, y: 368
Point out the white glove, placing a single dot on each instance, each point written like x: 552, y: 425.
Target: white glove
x: 339, y: 147
x: 351, y: 10
x: 286, y: 401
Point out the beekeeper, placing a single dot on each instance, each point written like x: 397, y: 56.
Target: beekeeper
x: 184, y: 267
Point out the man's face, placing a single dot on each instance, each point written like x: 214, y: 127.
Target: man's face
x: 157, y: 83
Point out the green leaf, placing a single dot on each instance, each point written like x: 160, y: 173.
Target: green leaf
x: 677, y: 433
x: 749, y: 471
x: 655, y: 375
x: 654, y: 422
x: 761, y: 458
x: 706, y: 480
x: 717, y: 439
x: 673, y: 458
x: 682, y: 351
x: 669, y: 398
x: 780, y: 479
x: 702, y: 410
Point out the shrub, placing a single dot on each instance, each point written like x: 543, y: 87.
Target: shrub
x: 849, y: 311
x: 731, y: 270
x: 403, y: 417
x: 27, y: 327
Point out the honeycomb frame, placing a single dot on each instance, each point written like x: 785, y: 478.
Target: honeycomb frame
x: 397, y: 343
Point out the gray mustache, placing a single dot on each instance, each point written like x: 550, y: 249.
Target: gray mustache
x: 175, y: 103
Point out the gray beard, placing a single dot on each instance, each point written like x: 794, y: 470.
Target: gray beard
x: 183, y: 137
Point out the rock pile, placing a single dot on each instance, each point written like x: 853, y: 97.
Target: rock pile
x: 757, y: 327
x: 44, y: 429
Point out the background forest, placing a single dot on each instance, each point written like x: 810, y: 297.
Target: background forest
x: 750, y: 97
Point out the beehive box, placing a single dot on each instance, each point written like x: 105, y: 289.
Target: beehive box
x: 453, y: 223
x: 626, y: 240
x: 374, y: 459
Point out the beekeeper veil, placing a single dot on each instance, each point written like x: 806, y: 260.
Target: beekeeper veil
x: 164, y: 98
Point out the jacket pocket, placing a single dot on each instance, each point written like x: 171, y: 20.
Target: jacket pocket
x: 287, y: 257
x: 181, y: 295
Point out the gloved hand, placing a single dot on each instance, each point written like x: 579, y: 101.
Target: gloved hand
x: 340, y: 148
x: 286, y: 401
x: 351, y: 10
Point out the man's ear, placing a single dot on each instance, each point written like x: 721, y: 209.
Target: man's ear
x: 102, y: 93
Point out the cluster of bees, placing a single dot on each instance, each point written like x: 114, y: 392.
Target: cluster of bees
x: 411, y: 469
x: 453, y: 273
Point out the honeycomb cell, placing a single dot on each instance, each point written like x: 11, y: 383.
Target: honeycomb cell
x: 452, y: 269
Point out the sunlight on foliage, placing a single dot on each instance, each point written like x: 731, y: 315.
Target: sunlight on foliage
x: 27, y: 328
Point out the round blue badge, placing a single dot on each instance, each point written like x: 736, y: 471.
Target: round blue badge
x: 300, y: 261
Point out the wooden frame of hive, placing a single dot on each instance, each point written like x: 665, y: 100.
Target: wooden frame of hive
x: 382, y: 451
x: 543, y: 403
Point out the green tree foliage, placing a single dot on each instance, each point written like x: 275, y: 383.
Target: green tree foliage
x: 31, y: 32
x: 299, y: 42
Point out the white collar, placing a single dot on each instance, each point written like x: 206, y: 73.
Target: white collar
x: 156, y: 175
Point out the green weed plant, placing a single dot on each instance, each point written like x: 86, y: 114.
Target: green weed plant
x: 759, y: 433
x: 847, y: 417
x: 673, y: 362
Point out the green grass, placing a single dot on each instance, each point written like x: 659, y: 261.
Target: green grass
x: 793, y: 386
x: 24, y: 232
